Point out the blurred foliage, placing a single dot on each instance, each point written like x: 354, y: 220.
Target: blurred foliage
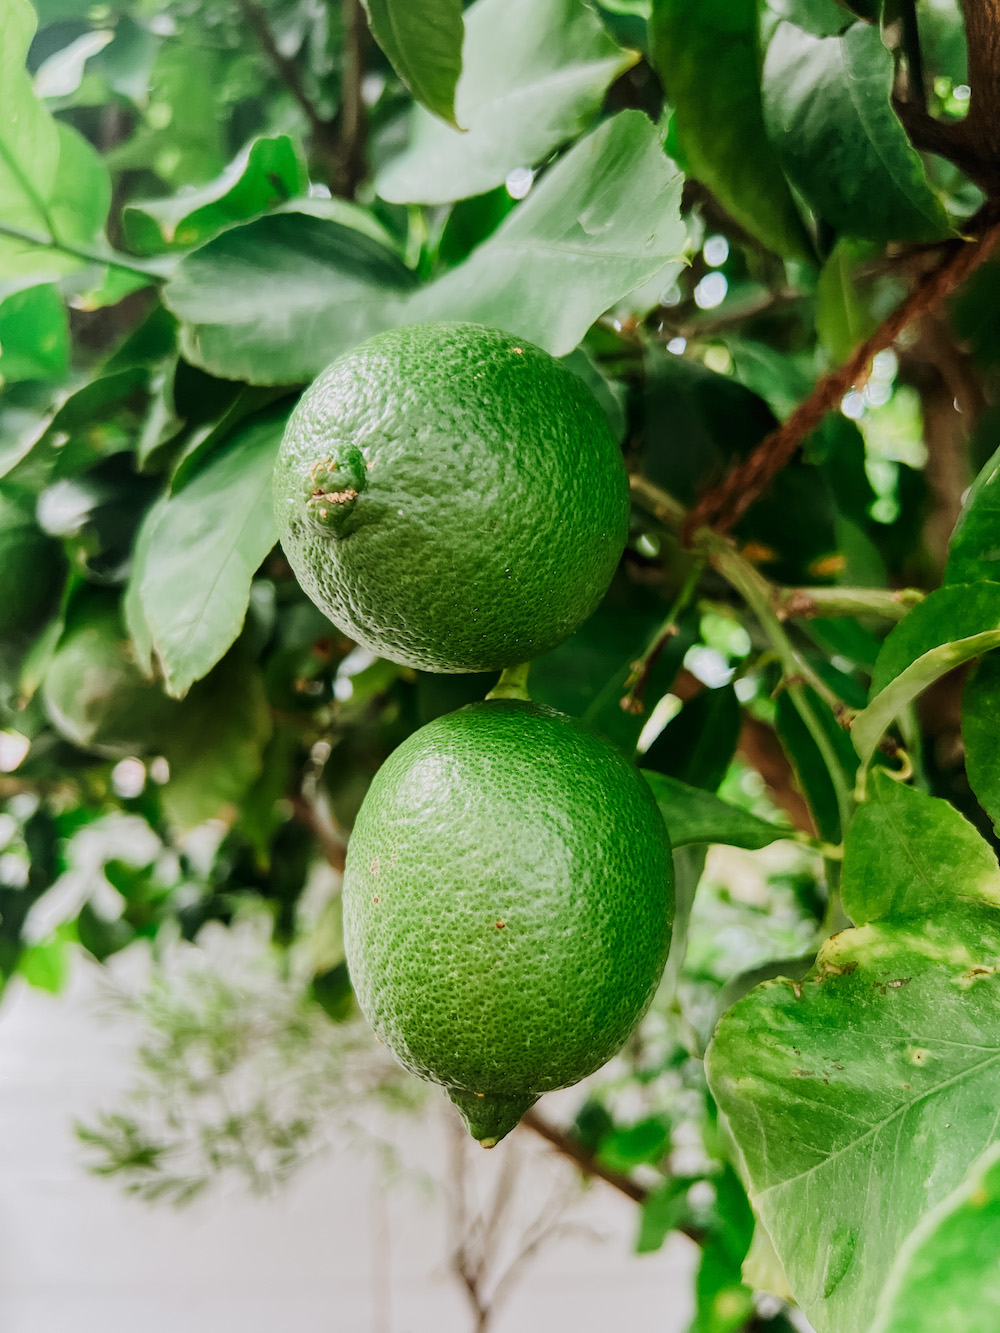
x: 201, y: 203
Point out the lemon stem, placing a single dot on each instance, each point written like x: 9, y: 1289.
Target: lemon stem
x: 513, y: 683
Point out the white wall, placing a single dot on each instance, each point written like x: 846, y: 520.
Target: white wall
x: 336, y: 1252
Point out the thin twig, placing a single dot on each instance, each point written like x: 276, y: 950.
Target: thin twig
x: 323, y: 131
x: 916, y: 88
x: 568, y: 1146
x: 635, y: 685
x: 725, y: 505
x: 352, y: 121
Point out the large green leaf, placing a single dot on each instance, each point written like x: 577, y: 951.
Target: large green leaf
x: 34, y: 335
x: 204, y: 547
x: 860, y: 1095
x: 533, y: 77
x: 216, y: 743
x: 949, y: 627
x: 603, y: 220
x: 947, y: 1276
x: 981, y: 733
x: 423, y: 40
x: 829, y: 115
x: 53, y: 186
x: 974, y: 552
x: 907, y: 853
x: 694, y: 816
x: 267, y: 173
x: 274, y: 301
x: 707, y: 54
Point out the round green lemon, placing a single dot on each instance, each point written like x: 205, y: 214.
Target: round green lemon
x: 508, y: 900
x: 451, y: 497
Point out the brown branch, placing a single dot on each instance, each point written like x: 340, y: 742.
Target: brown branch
x: 568, y: 1146
x: 352, y: 121
x: 323, y: 131
x: 723, y: 506
x: 332, y: 846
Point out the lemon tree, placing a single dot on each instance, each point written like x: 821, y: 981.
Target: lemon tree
x: 634, y: 364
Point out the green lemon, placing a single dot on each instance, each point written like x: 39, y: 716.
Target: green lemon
x: 451, y: 497
x: 508, y: 899
x: 31, y: 568
x: 96, y: 695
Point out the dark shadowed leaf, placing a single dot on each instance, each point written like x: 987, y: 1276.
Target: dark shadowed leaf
x: 692, y: 815
x: 423, y: 40
x: 707, y: 54
x: 267, y: 173
x: 829, y: 116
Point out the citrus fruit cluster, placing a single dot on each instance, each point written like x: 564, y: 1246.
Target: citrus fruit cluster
x: 453, y: 499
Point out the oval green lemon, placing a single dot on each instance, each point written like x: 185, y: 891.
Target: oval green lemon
x: 507, y: 905
x: 451, y: 497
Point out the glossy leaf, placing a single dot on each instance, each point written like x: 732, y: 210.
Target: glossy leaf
x: 809, y: 762
x: 604, y: 219
x: 693, y: 816
x: 951, y: 626
x: 829, y: 116
x: 697, y: 746
x: 947, y: 1276
x: 533, y: 77
x: 423, y: 40
x: 707, y: 53
x: 34, y: 335
x: 910, y: 854
x: 266, y: 174
x: 276, y: 300
x: 974, y: 551
x: 204, y: 547
x: 842, y: 321
x: 981, y: 733
x: 860, y: 1095
x: 53, y: 185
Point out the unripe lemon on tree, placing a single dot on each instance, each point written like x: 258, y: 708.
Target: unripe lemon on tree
x: 451, y: 497
x: 508, y: 899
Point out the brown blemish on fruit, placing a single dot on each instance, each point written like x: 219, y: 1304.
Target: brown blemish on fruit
x: 501, y: 924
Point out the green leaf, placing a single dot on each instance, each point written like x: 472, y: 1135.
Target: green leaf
x: 216, y: 744
x: 707, y: 54
x: 860, y: 1095
x: 842, y: 321
x: 809, y: 762
x: 692, y: 815
x: 947, y: 1276
x: 829, y: 116
x: 533, y: 77
x: 910, y: 854
x: 423, y: 40
x: 950, y: 626
x: 603, y: 220
x: 267, y: 173
x: 276, y: 300
x: 981, y: 733
x: 697, y: 746
x: 201, y: 553
x: 53, y: 186
x: 34, y: 335
x: 974, y: 551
